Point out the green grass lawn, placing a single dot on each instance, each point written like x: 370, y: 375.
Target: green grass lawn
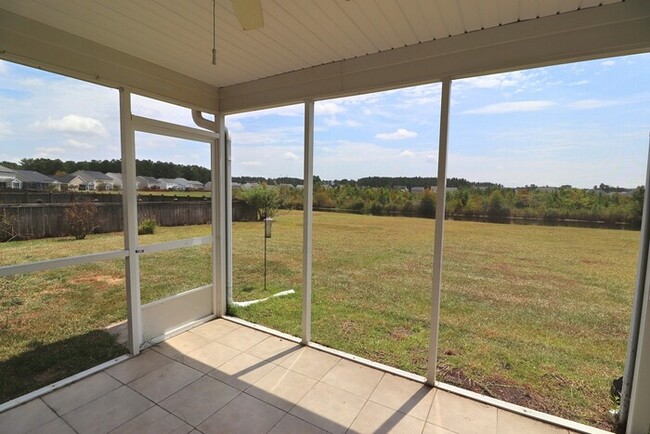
x: 530, y: 314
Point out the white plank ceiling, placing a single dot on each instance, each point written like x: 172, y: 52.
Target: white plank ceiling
x: 297, y: 34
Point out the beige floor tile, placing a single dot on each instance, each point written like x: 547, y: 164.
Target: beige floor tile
x: 82, y: 392
x: 108, y: 412
x: 462, y: 415
x: 215, y: 329
x: 310, y: 362
x: 26, y: 417
x: 274, y: 349
x: 180, y: 345
x: 433, y: 429
x: 210, y: 356
x: 404, y: 395
x: 510, y: 423
x: 243, y: 338
x: 292, y: 425
x: 154, y: 421
x: 57, y: 426
x: 282, y: 388
x: 199, y: 400
x: 165, y: 381
x: 242, y: 371
x: 353, y: 377
x: 329, y: 407
x: 375, y: 418
x: 243, y: 414
x: 136, y: 367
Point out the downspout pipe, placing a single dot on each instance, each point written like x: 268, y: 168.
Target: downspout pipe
x: 202, y: 122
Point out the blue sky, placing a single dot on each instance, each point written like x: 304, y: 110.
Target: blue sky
x: 579, y: 124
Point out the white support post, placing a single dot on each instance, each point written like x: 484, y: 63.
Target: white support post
x: 228, y: 186
x: 635, y: 396
x: 440, y: 226
x: 130, y: 218
x: 219, y: 268
x: 308, y: 192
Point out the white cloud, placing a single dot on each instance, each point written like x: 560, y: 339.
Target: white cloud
x: 251, y: 163
x: 587, y: 104
x: 3, y: 67
x: 399, y: 134
x: 511, y: 107
x: 332, y: 122
x: 406, y: 154
x: 431, y: 158
x: 608, y: 63
x: 328, y: 108
x: 49, y: 152
x: 72, y: 143
x: 234, y: 125
x: 32, y: 82
x: 5, y: 129
x: 579, y: 83
x: 290, y: 156
x: 72, y: 124
x: 353, y: 124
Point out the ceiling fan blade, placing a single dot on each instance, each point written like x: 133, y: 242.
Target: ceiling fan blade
x: 249, y: 13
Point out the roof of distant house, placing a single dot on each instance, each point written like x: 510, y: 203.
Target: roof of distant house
x: 63, y: 179
x: 112, y: 175
x: 149, y: 179
x: 6, y: 169
x: 32, y: 176
x: 91, y: 175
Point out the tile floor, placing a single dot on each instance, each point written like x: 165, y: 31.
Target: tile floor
x: 225, y: 378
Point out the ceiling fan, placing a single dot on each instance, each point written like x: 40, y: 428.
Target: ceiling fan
x: 249, y: 13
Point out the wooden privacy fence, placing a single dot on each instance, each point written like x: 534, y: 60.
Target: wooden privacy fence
x: 45, y: 220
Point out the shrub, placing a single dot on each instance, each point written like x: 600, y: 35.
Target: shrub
x: 81, y: 219
x: 8, y: 226
x: 427, y: 207
x: 376, y: 208
x: 147, y: 227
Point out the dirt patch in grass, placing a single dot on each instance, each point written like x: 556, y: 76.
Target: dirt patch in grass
x: 102, y: 281
x: 506, y: 390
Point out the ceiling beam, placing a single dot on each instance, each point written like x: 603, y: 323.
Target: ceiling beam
x: 31, y: 43
x: 606, y: 31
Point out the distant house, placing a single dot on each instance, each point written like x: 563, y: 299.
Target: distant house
x: 68, y: 182
x: 401, y: 188
x: 168, y: 184
x: 148, y: 183
x: 8, y: 178
x: 547, y: 189
x: 236, y: 185
x: 194, y: 185
x: 31, y: 180
x: 184, y: 184
x: 417, y: 189
x: 117, y: 179
x: 92, y: 180
x: 207, y: 186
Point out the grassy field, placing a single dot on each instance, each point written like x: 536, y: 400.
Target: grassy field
x: 533, y: 315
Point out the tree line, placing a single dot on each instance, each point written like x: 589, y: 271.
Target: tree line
x: 155, y: 169
x: 494, y: 203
